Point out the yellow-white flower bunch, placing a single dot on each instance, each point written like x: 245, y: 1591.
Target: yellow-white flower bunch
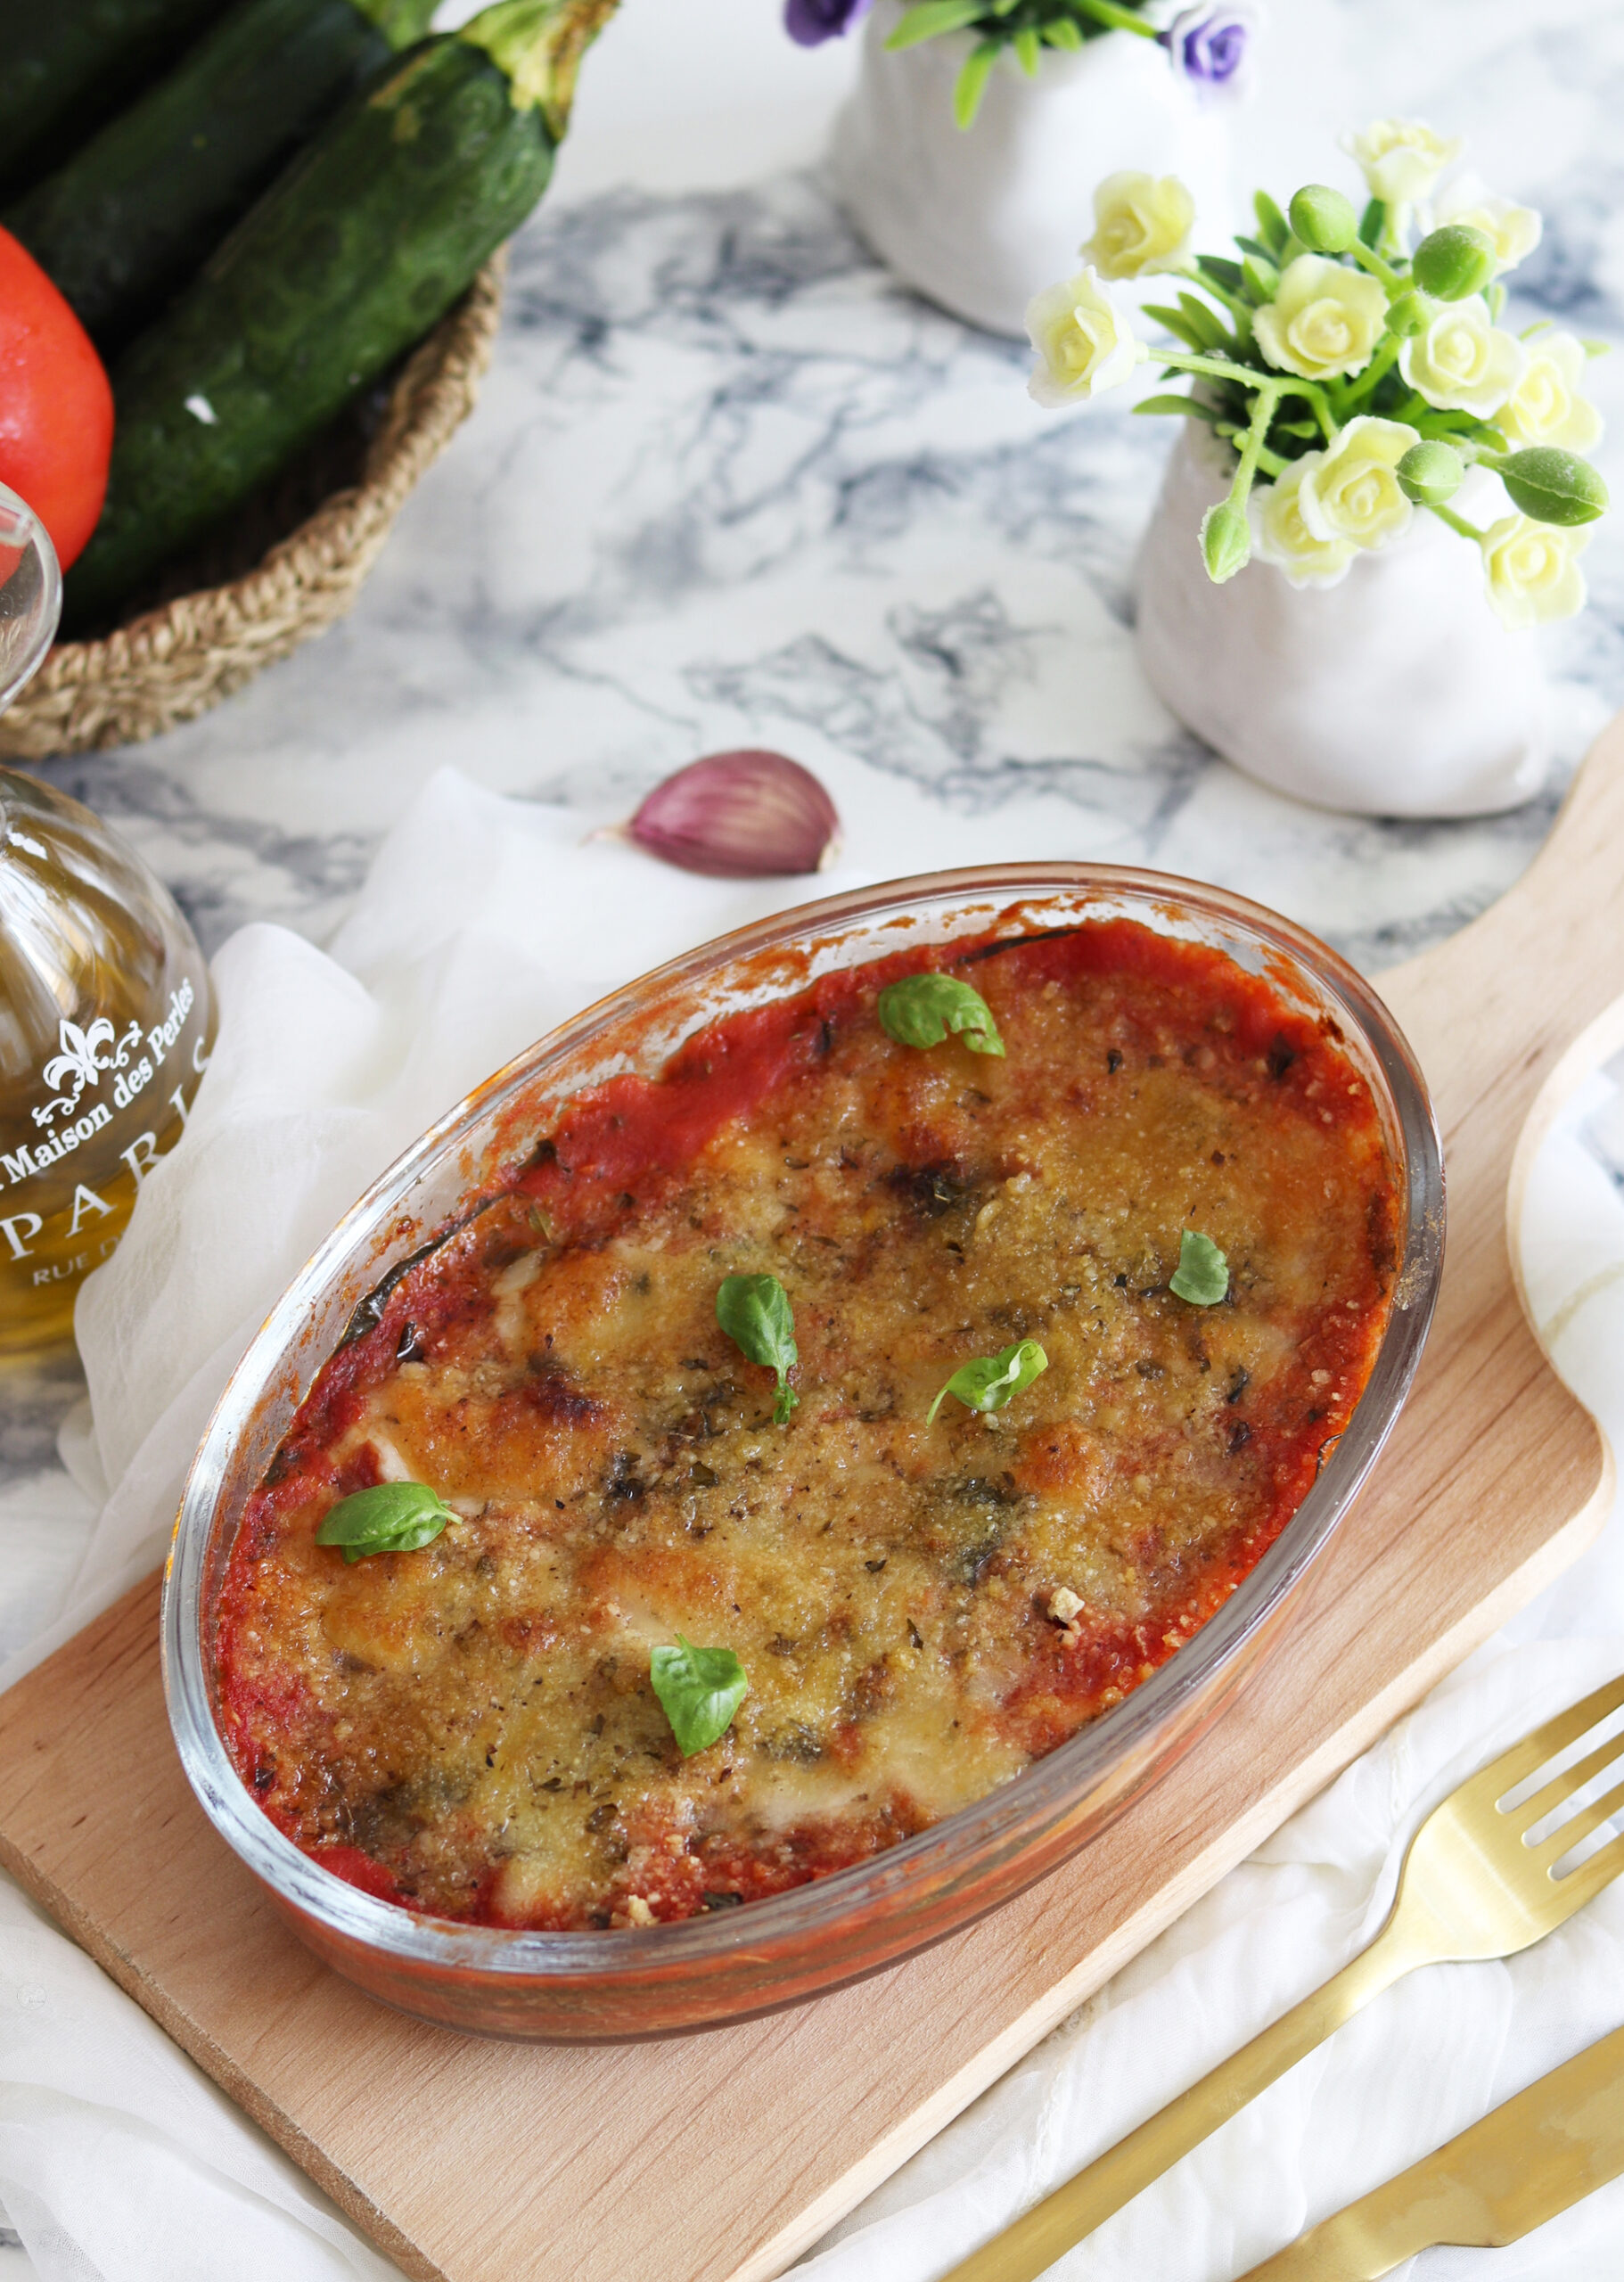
x: 1354, y: 365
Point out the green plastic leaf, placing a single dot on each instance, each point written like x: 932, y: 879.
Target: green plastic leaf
x: 1554, y: 485
x: 1458, y: 425
x: 1220, y: 270
x: 922, y: 1008
x: 1260, y: 279
x: 1202, y: 1274
x: 991, y: 1381
x: 1062, y: 33
x: 392, y: 1518
x: 1271, y: 222
x: 929, y: 19
x: 1184, y: 406
x: 1197, y: 314
x: 1192, y: 336
x: 755, y: 1313
x: 971, y: 84
x: 1372, y: 221
x: 1028, y: 49
x: 1256, y: 247
x: 699, y: 1689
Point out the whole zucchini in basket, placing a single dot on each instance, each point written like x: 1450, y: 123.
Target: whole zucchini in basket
x: 134, y: 211
x: 351, y: 257
x: 66, y: 65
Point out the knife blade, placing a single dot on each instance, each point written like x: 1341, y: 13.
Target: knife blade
x: 1547, y: 2148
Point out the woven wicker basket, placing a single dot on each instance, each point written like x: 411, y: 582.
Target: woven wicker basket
x: 175, y: 660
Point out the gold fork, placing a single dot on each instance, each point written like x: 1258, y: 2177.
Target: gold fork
x: 1473, y: 1885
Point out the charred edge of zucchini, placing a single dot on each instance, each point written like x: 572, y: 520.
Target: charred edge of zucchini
x: 367, y: 1313
x: 1015, y: 943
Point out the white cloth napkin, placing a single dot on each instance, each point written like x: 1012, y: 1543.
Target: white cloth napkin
x: 484, y: 922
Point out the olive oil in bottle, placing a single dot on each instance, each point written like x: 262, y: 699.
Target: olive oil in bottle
x: 106, y: 1022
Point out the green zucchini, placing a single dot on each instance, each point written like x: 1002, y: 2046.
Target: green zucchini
x: 66, y: 65
x: 136, y: 210
x: 350, y: 258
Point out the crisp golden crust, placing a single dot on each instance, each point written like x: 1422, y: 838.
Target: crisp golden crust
x: 921, y: 1610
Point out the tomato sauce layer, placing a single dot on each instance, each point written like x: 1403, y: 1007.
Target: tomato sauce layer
x: 922, y: 1611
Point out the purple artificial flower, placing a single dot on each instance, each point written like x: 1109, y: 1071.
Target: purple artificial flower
x: 811, y: 21
x: 1210, y: 45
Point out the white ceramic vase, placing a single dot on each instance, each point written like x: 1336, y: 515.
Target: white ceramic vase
x: 1396, y: 693
x: 982, y: 218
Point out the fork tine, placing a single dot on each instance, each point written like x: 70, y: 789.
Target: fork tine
x: 1582, y: 1771
x: 1529, y: 1756
x: 1551, y: 1850
x: 1580, y: 1885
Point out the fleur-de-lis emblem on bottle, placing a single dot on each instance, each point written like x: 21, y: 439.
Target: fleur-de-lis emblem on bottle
x: 80, y: 1056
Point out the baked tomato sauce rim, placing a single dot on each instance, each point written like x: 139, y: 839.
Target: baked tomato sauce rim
x: 836, y: 1928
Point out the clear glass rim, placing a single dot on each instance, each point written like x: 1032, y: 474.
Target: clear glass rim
x: 949, y: 1855
x: 19, y: 525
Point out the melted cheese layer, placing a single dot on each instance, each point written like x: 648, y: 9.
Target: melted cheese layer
x: 921, y: 1610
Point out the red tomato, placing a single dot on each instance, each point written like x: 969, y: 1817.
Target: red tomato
x: 56, y: 408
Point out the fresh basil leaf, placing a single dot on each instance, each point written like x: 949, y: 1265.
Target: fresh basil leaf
x: 754, y: 1311
x: 1202, y: 1274
x: 992, y: 1380
x: 922, y: 1008
x: 699, y: 1689
x: 393, y: 1517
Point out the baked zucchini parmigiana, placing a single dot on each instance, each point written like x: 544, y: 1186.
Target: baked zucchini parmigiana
x: 802, y: 1440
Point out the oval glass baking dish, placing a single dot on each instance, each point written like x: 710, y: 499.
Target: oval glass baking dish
x: 724, y: 1965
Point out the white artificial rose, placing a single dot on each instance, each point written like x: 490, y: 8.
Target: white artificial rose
x: 1351, y: 493
x: 1546, y: 407
x: 1512, y: 231
x: 1324, y: 320
x: 1463, y: 362
x: 1531, y: 569
x: 1141, y: 224
x: 1282, y: 538
x: 1401, y: 158
x: 1083, y: 339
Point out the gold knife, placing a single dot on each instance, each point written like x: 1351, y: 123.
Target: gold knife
x: 1547, y: 2148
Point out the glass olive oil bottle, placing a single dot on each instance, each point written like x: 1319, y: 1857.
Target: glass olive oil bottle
x: 106, y: 1023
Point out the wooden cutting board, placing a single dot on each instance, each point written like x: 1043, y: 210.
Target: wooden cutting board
x: 719, y: 2158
